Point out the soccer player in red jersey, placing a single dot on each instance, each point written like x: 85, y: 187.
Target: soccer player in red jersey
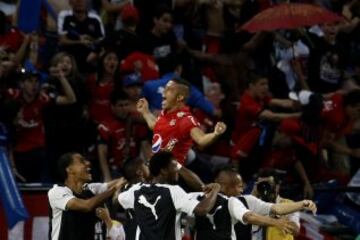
x: 176, y: 129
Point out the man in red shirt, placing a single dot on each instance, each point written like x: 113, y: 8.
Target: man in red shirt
x: 28, y: 149
x: 340, y: 113
x: 176, y: 129
x: 251, y: 111
x: 120, y: 137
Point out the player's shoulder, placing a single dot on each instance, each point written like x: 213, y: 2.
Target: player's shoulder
x: 58, y: 190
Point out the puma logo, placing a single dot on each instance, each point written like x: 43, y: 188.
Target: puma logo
x: 211, y: 216
x: 143, y: 201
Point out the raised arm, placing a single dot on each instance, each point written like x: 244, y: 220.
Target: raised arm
x: 69, y: 96
x: 142, y: 107
x: 206, y: 204
x: 277, y: 117
x: 287, y: 208
x: 204, y: 139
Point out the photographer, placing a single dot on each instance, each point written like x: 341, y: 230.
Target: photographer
x: 267, y: 188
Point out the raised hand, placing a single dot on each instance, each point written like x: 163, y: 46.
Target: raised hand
x: 142, y: 106
x: 220, y: 128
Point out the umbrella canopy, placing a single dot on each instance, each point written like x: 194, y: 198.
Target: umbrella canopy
x: 289, y: 16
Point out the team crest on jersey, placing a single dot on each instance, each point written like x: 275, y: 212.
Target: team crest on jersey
x: 156, y: 143
x: 172, y: 122
x: 171, y: 144
x: 180, y: 114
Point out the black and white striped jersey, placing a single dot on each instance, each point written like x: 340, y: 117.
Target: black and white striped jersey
x: 157, y: 208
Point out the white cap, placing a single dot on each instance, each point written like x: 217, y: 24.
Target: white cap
x: 303, y: 96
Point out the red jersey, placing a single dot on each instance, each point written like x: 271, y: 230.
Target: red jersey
x: 30, y: 132
x: 300, y: 134
x: 247, y: 131
x: 113, y: 133
x: 99, y: 105
x: 334, y: 116
x: 172, y: 133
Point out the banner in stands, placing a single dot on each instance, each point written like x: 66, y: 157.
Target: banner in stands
x: 36, y: 227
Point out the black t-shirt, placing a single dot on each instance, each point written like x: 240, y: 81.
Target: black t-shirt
x: 163, y: 49
x: 73, y: 29
x: 123, y: 42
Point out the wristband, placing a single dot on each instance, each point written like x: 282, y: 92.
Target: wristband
x: 178, y: 166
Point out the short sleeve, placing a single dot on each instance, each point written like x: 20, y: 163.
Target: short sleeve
x: 237, y: 210
x: 258, y: 206
x: 183, y: 201
x: 97, y: 188
x: 104, y: 132
x: 189, y: 122
x: 59, y: 197
x: 126, y: 198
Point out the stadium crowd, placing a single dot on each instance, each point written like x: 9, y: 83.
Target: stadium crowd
x: 106, y: 85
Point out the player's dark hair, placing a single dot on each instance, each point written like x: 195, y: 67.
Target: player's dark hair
x: 186, y: 86
x: 224, y: 168
x: 118, y: 95
x: 352, y: 98
x: 65, y: 161
x: 254, y: 78
x: 130, y: 168
x: 159, y: 161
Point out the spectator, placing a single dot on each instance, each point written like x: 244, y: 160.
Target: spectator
x: 161, y: 42
x: 250, y: 113
x: 125, y: 40
x: 30, y: 137
x: 132, y: 86
x: 80, y: 32
x: 120, y: 138
x: 101, y: 85
x: 67, y: 127
x: 74, y: 202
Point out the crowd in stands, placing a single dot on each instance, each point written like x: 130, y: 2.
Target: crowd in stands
x: 290, y: 98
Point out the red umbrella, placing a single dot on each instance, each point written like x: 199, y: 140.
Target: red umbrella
x: 290, y: 16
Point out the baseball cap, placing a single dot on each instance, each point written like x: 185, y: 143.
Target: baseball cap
x: 149, y: 69
x: 302, y: 96
x: 132, y: 79
x: 129, y: 13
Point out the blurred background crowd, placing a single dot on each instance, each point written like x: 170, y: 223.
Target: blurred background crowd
x: 71, y: 72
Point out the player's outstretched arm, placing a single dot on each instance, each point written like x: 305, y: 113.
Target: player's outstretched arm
x: 287, y: 208
x: 204, y: 139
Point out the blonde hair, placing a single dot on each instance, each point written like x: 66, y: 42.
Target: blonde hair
x: 57, y: 58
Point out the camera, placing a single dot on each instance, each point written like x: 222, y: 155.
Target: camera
x: 266, y: 191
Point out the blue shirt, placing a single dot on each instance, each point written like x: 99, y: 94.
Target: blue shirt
x: 153, y: 90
